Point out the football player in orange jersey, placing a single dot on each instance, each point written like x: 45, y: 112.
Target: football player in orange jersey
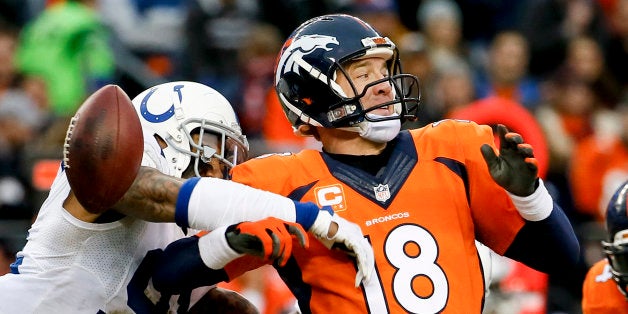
x: 421, y: 197
x: 604, y: 288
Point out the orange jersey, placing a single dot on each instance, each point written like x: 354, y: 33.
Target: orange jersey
x: 600, y: 293
x: 421, y: 214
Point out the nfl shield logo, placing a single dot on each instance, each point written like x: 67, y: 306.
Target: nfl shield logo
x: 382, y: 192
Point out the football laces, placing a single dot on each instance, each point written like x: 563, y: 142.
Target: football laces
x: 66, y: 142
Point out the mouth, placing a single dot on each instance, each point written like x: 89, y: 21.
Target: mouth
x: 383, y: 111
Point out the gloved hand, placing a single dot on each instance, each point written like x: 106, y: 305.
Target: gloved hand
x: 515, y: 168
x: 337, y: 232
x: 269, y: 238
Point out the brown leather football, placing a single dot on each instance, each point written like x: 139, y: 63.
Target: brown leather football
x: 103, y: 148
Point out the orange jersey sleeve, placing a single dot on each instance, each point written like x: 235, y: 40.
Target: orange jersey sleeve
x: 421, y: 213
x: 600, y: 294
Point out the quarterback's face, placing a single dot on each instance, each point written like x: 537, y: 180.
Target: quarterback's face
x: 363, y: 72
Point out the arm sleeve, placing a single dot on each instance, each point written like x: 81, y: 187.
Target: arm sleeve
x: 208, y: 203
x: 548, y: 245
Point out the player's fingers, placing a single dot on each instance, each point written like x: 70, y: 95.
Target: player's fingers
x: 532, y: 163
x: 489, y: 156
x: 525, y: 149
x: 358, y: 278
x: 255, y: 240
x: 278, y: 247
x: 513, y: 138
x: 284, y: 235
x: 501, y: 132
x: 299, y: 232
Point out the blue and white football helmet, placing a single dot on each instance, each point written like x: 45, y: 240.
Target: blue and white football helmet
x: 616, y: 244
x: 312, y: 58
x: 175, y: 111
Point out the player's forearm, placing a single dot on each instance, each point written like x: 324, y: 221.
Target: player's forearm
x: 181, y: 268
x: 151, y: 197
x: 548, y: 245
x: 207, y: 203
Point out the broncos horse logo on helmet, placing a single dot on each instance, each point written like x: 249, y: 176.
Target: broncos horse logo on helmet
x: 313, y: 57
x: 293, y: 58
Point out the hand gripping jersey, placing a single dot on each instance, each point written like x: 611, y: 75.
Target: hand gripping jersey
x: 600, y: 294
x: 421, y: 213
x: 71, y: 266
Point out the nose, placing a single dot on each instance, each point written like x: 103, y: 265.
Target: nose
x: 383, y: 88
x: 212, y: 173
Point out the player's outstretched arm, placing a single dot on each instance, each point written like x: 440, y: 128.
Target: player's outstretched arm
x: 547, y: 229
x: 197, y: 261
x: 209, y: 203
x: 197, y: 208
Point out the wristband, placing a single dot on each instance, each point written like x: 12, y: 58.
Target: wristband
x: 536, y: 206
x: 183, y: 199
x: 214, y: 249
x: 306, y: 213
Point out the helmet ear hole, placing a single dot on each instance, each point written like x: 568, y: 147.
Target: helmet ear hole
x: 284, y: 88
x: 305, y: 130
x: 162, y: 143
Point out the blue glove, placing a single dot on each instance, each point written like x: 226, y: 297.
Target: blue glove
x: 515, y: 168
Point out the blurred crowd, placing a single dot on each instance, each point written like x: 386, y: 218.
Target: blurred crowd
x: 554, y: 71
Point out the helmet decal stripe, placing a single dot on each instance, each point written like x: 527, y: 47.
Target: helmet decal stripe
x: 151, y: 117
x: 305, y: 118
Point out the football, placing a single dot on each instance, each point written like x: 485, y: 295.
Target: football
x: 103, y: 148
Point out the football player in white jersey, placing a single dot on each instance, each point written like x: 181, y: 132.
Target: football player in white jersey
x: 78, y: 262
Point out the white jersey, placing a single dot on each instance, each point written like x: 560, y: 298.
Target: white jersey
x: 70, y: 266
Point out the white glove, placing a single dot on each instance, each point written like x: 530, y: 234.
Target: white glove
x: 349, y: 237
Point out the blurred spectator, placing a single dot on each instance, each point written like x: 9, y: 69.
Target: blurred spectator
x: 506, y: 72
x: 382, y: 15
x: 287, y: 15
x: 617, y: 51
x: 265, y: 289
x: 585, y: 61
x: 516, y: 289
x: 440, y: 22
x: 566, y: 119
x: 453, y: 89
x: 151, y: 30
x: 549, y: 25
x: 413, y: 52
x: 483, y: 20
x: 600, y: 163
x: 256, y: 60
x: 215, y: 30
x: 67, y: 47
x: 21, y: 119
x: 257, y: 105
x: 146, y: 26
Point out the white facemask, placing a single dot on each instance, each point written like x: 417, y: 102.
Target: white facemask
x: 381, y: 131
